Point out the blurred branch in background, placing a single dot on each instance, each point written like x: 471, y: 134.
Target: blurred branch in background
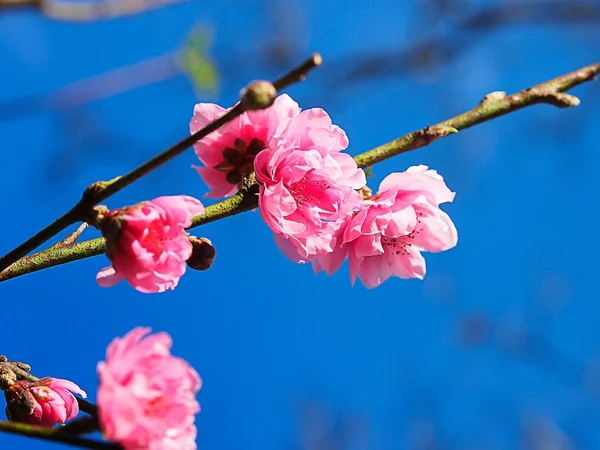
x: 288, y: 29
x: 321, y: 429
x: 512, y: 335
x: 191, y: 59
x: 84, y: 11
x: 542, y: 433
x: 86, y: 136
x: 440, y: 47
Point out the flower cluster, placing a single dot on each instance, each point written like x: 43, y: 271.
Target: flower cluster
x: 308, y: 196
x: 309, y: 193
x: 386, y: 235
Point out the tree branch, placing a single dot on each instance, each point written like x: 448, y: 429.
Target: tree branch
x: 492, y: 106
x: 55, y: 435
x: 100, y: 191
x: 423, y: 53
x: 72, y: 237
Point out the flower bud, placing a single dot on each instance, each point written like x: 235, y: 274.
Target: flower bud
x: 203, y: 253
x: 258, y: 95
x: 44, y: 402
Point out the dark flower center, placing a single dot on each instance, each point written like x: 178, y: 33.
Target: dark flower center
x: 238, y: 160
x: 401, y: 245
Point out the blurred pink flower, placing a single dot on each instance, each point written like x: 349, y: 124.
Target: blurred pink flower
x: 391, y: 229
x: 46, y: 402
x: 147, y: 243
x: 307, y: 185
x: 228, y: 153
x: 146, y: 396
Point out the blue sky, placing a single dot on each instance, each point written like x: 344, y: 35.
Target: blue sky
x: 288, y: 357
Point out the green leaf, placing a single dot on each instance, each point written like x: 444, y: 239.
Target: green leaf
x: 194, y: 60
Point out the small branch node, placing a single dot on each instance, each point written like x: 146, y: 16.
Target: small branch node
x: 562, y: 100
x: 258, y: 95
x: 96, y: 188
x: 493, y: 97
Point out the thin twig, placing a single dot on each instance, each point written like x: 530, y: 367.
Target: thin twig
x: 491, y: 107
x: 81, y: 425
x: 299, y: 73
x: 72, y: 237
x: 115, y: 186
x: 54, y: 435
x: 102, y: 190
x: 108, y: 84
x: 39, y: 238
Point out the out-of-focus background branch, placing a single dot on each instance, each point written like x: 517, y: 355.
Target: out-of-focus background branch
x: 445, y: 30
x: 83, y: 11
x: 454, y: 27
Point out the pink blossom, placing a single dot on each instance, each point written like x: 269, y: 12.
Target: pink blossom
x: 307, y: 185
x: 228, y: 153
x: 46, y: 402
x: 146, y: 396
x: 391, y: 229
x: 147, y: 243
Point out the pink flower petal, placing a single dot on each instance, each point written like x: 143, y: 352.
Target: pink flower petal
x: 146, y: 397
x: 107, y: 277
x: 385, y: 237
x: 152, y: 247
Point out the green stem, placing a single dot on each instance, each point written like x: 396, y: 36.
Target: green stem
x: 39, y: 238
x: 99, y: 192
x: 492, y: 106
x: 54, y: 435
x: 62, y: 254
x: 72, y: 237
x: 164, y: 157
